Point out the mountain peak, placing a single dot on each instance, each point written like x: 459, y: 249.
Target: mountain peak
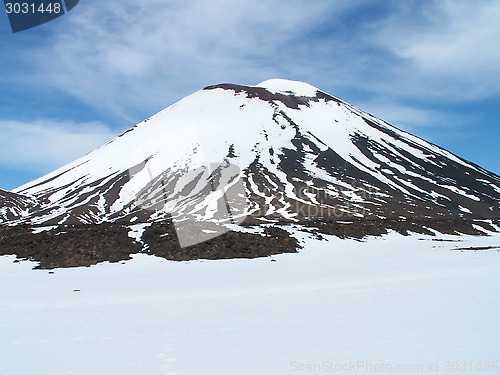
x: 302, y: 154
x: 279, y: 85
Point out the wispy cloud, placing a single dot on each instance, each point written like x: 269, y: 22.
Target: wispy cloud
x: 120, y: 55
x: 448, y: 51
x: 44, y: 145
x: 411, y: 117
x: 431, y: 124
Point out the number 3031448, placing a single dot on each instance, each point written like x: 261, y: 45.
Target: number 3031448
x: 25, y: 8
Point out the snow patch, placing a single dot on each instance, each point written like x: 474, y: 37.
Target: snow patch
x: 37, y: 230
x: 137, y: 230
x: 285, y: 86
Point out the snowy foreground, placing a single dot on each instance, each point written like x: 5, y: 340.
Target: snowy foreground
x: 339, y: 306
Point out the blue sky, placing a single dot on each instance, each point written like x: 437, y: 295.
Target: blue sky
x: 66, y: 87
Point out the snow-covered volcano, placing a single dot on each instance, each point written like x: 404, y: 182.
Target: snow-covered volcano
x: 300, y: 152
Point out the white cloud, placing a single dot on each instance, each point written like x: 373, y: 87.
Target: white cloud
x: 465, y: 43
x: 124, y: 55
x: 44, y: 145
x: 449, y: 51
x: 437, y: 126
x: 411, y: 118
x: 121, y: 55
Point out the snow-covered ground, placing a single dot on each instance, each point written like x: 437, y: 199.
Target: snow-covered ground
x: 361, y: 306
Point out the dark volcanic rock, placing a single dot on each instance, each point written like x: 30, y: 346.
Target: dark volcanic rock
x: 69, y: 246
x: 85, y: 245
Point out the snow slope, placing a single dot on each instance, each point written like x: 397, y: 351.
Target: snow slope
x: 397, y: 300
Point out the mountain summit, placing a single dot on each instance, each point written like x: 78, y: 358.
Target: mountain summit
x: 280, y: 152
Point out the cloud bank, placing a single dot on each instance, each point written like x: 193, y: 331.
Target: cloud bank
x: 47, y: 144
